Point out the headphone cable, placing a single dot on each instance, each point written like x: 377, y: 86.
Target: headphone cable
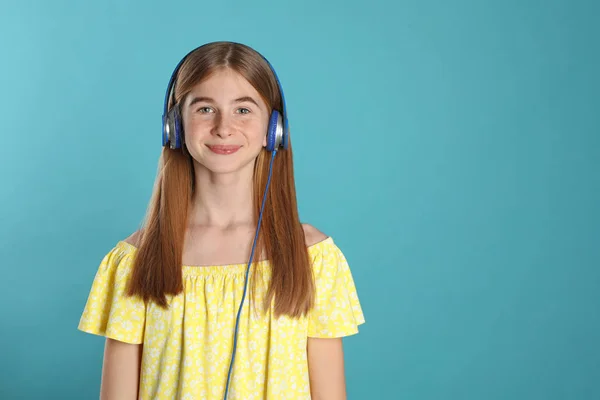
x: 262, y: 207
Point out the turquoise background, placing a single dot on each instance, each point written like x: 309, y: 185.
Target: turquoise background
x: 451, y: 148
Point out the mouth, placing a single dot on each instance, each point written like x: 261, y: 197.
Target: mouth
x: 223, y: 149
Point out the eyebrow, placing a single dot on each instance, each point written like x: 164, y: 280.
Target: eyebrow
x: 210, y: 100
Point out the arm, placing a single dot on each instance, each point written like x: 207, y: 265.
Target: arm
x: 120, y: 370
x: 326, y: 369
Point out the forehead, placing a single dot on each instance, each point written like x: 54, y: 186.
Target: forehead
x: 225, y: 82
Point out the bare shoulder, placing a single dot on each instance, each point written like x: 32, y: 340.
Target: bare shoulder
x: 134, y: 238
x: 312, y: 235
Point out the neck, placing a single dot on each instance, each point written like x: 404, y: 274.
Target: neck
x: 223, y: 200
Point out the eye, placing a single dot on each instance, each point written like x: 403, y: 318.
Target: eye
x: 204, y: 110
x: 243, y: 110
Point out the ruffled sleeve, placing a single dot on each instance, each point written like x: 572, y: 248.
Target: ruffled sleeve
x: 108, y: 312
x: 337, y: 310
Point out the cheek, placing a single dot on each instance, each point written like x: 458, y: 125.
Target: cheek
x: 196, y: 127
x: 254, y: 128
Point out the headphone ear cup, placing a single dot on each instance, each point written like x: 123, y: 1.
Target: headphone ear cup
x: 165, y: 137
x: 272, y: 131
x: 175, y: 128
x: 285, y: 138
x: 179, y: 138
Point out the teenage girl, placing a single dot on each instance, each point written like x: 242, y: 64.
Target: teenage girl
x: 223, y: 292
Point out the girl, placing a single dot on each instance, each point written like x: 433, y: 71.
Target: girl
x: 171, y: 298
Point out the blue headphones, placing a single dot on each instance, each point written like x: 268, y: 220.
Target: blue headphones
x: 172, y: 134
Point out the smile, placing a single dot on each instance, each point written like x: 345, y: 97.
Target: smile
x: 223, y: 149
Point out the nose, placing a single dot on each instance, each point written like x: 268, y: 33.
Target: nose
x: 223, y: 126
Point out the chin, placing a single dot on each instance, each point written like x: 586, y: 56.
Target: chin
x: 223, y: 169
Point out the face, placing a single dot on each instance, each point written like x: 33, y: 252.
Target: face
x: 225, y: 122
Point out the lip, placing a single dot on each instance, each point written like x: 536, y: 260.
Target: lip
x: 223, y: 149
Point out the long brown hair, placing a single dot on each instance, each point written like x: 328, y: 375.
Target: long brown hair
x: 157, y: 266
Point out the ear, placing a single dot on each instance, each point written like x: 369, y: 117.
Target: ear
x: 265, y: 141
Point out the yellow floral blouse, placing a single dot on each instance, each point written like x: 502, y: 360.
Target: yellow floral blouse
x: 187, y: 348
